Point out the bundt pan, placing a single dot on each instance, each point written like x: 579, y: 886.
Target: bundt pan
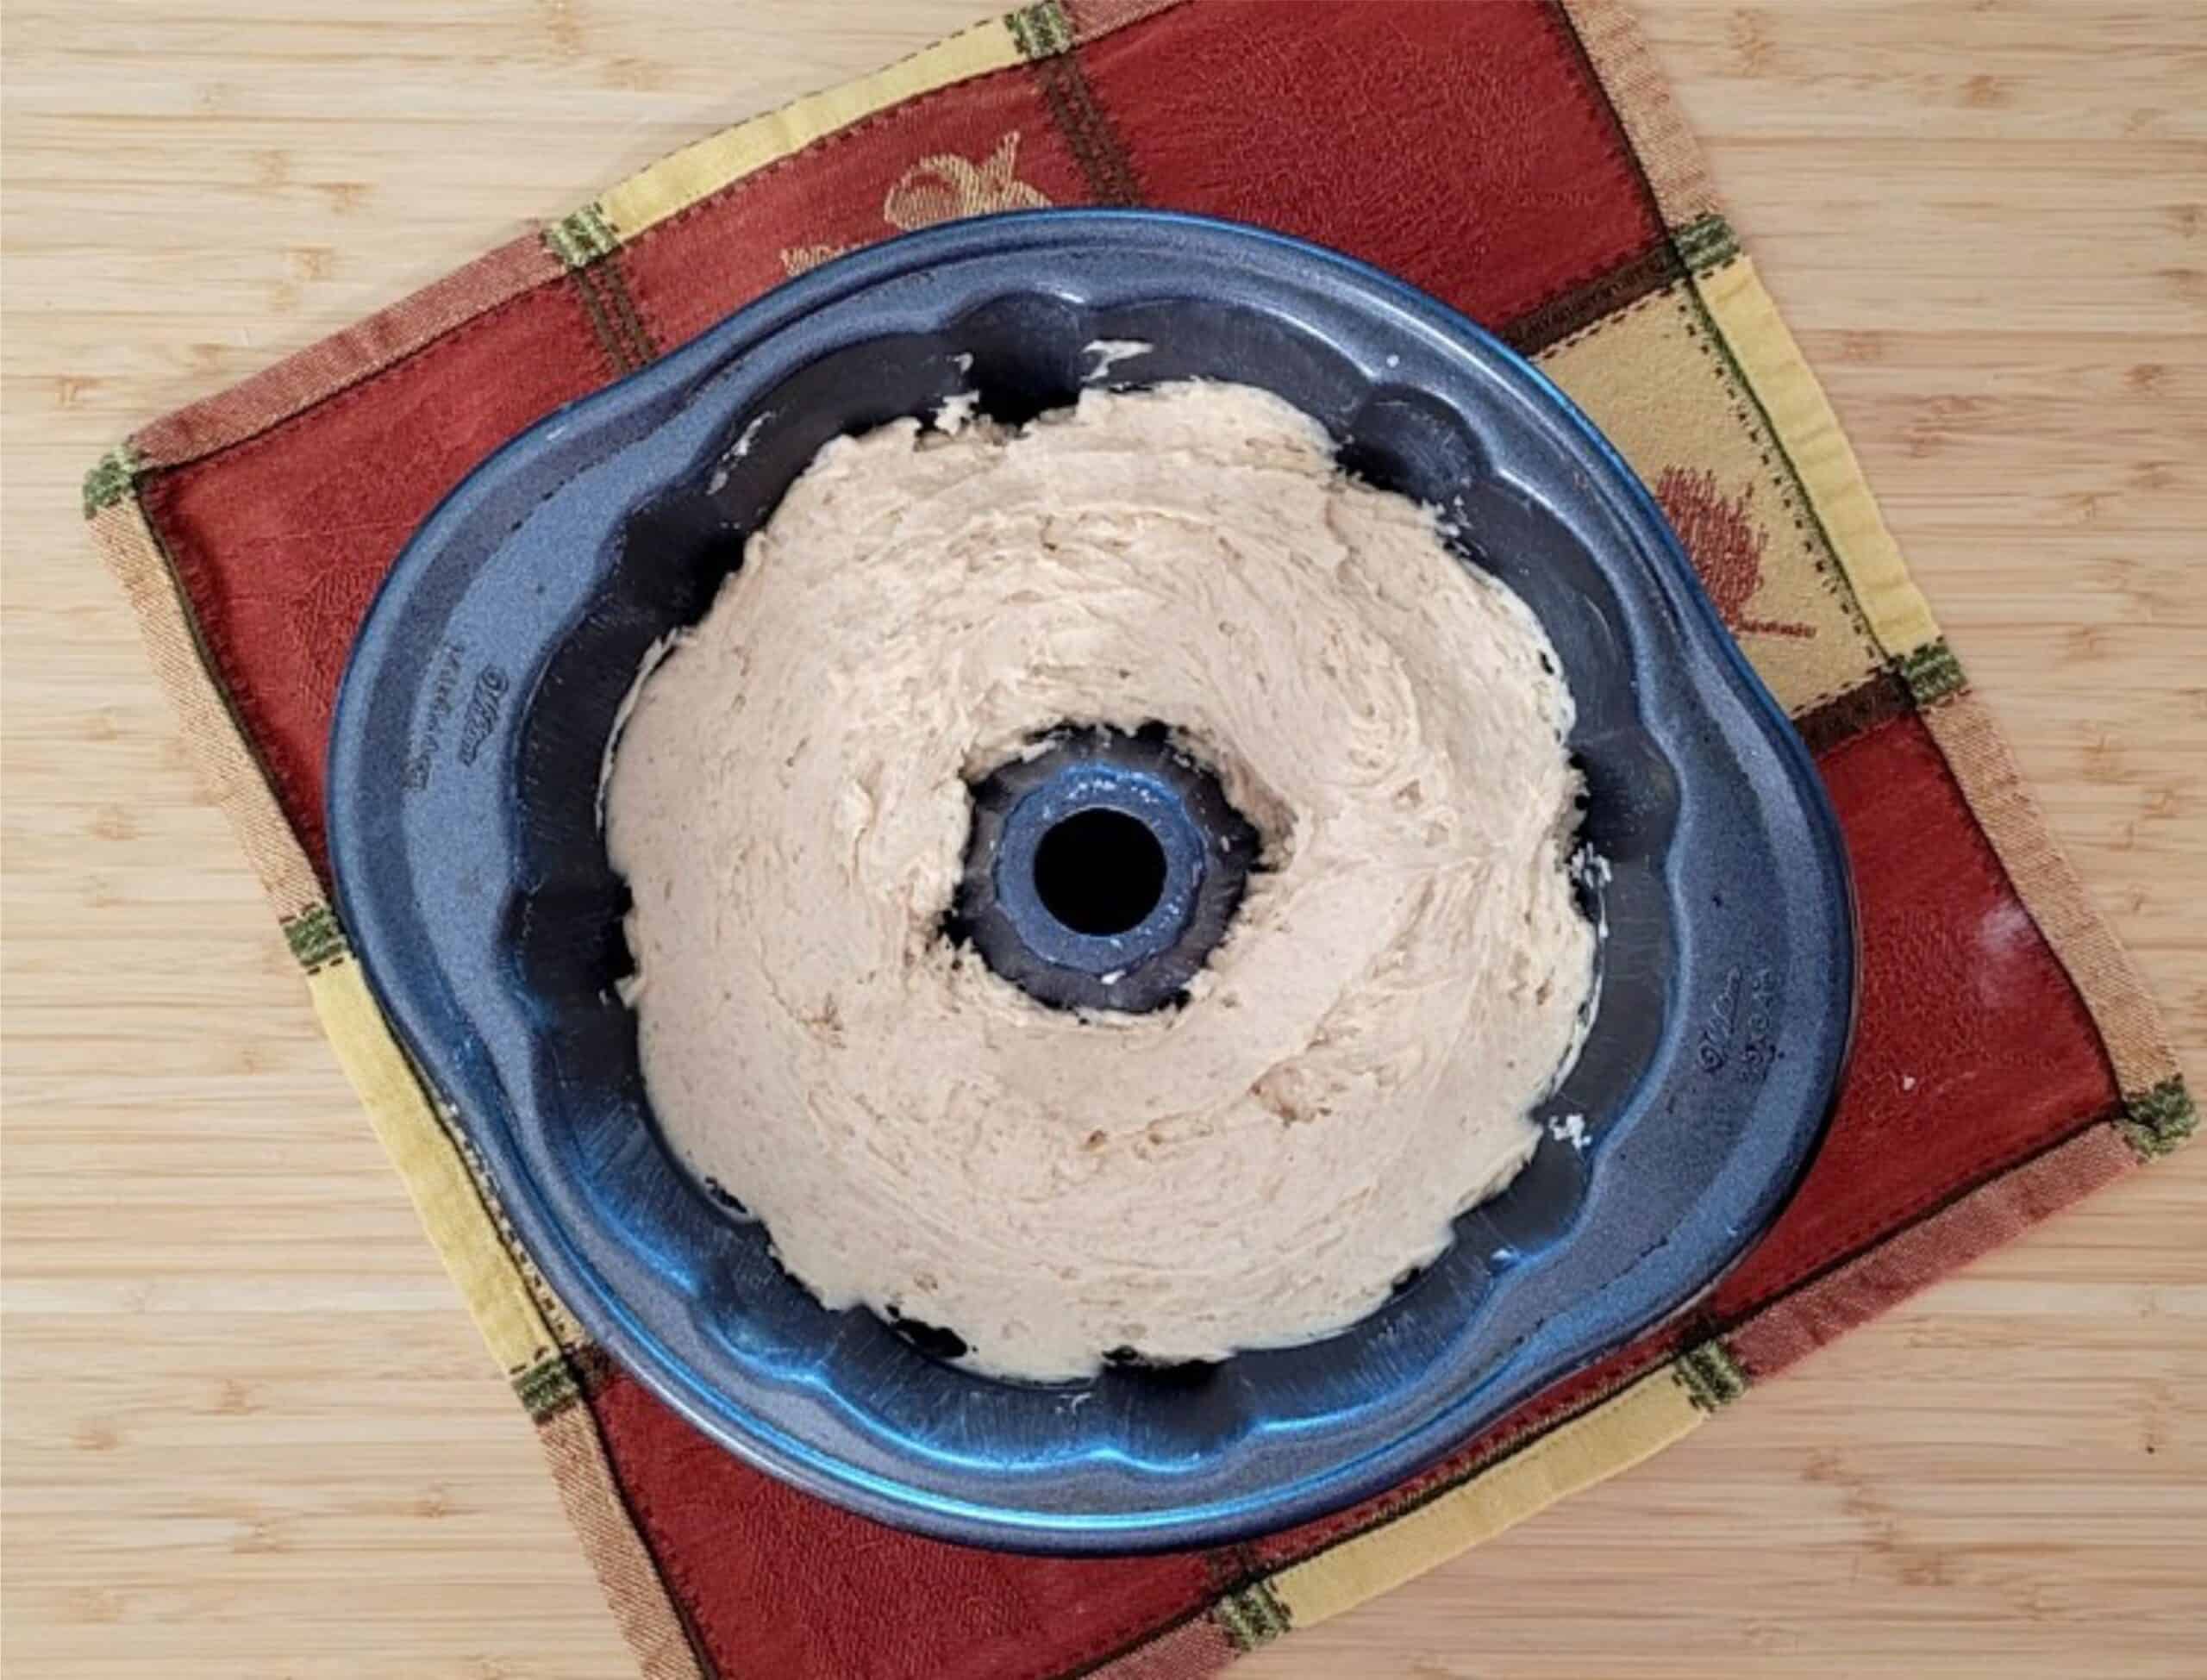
x: 471, y: 872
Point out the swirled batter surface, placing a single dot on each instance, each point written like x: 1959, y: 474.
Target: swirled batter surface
x: 1356, y: 1065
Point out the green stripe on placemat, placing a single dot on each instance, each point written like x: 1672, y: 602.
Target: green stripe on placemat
x: 1041, y: 30
x: 1711, y: 1377
x: 1253, y: 1616
x: 547, y: 1388
x: 314, y: 938
x: 110, y: 480
x: 1932, y: 673
x: 1705, y: 244
x: 2155, y: 1122
x: 580, y: 239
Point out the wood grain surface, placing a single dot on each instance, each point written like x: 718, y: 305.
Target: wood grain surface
x: 248, y: 1432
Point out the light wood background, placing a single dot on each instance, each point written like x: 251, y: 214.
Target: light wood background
x: 248, y: 1432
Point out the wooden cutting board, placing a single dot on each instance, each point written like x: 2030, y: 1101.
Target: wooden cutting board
x: 248, y: 1432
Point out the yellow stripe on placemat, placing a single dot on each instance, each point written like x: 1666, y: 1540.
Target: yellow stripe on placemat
x: 1614, y: 1436
x: 675, y: 182
x: 505, y: 1312
x: 438, y: 1181
x: 1899, y: 617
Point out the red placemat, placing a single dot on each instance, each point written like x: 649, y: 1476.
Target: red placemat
x: 1520, y: 159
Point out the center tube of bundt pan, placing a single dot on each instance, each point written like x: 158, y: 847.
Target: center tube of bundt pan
x: 1101, y: 869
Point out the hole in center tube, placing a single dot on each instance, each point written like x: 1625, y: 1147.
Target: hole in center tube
x: 1099, y: 872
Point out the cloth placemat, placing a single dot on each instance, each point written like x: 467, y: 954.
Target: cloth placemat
x: 1519, y: 158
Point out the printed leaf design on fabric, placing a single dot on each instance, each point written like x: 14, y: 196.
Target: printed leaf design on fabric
x: 320, y: 619
x: 797, y: 258
x: 1726, y: 546
x: 940, y: 188
x: 944, y: 187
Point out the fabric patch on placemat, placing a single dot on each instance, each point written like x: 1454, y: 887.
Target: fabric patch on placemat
x: 1655, y: 377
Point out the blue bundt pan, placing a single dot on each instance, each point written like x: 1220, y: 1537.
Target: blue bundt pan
x: 471, y: 875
